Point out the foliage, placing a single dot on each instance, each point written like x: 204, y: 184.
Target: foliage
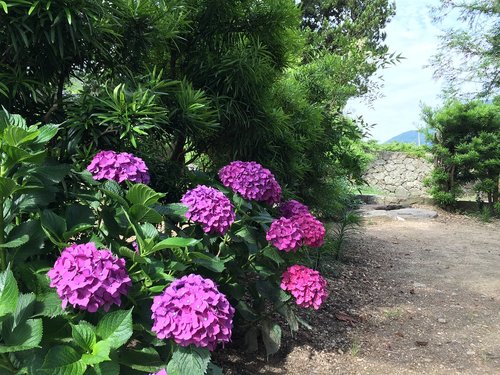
x: 466, y: 147
x: 411, y: 149
x: 245, y: 266
x: 469, y: 53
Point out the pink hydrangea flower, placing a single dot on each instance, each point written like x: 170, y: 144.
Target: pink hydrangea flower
x: 306, y: 285
x: 285, y: 235
x: 292, y: 207
x: 88, y: 278
x: 191, y: 310
x: 252, y: 181
x: 161, y: 372
x: 210, y: 208
x: 313, y: 230
x: 109, y: 165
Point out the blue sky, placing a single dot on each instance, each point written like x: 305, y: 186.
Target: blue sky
x: 408, y: 83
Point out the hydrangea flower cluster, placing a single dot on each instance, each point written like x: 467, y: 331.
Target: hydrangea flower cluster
x: 252, y: 181
x: 292, y: 207
x: 313, y: 230
x: 109, y: 165
x: 306, y: 285
x: 285, y: 234
x: 88, y: 278
x: 209, y: 207
x: 191, y: 310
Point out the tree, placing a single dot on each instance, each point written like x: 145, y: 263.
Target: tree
x: 469, y: 53
x: 466, y: 148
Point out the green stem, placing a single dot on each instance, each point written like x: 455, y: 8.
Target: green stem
x: 3, y: 255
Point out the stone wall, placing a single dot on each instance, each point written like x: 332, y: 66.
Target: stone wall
x: 398, y: 176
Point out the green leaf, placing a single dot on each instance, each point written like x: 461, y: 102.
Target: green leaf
x: 24, y: 310
x: 53, y: 173
x: 175, y: 211
x: 190, y: 360
x: 174, y: 242
x: 77, y: 214
x: 104, y: 368
x: 113, y: 190
x: 143, y: 194
x: 63, y: 360
x: 24, y: 337
x: 141, y: 213
x: 100, y: 353
x: 84, y: 335
x: 53, y: 225
x: 271, y: 335
x: 146, y: 359
x: 212, y: 263
x: 213, y: 369
x: 4, y: 7
x: 132, y: 255
x: 116, y: 327
x: 272, y: 253
x: 48, y: 305
x: 17, y: 242
x: 46, y: 132
x: 7, y: 187
x: 9, y: 293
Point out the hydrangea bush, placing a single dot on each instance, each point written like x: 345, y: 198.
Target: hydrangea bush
x: 107, y: 278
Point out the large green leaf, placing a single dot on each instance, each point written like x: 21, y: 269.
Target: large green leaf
x: 141, y: 213
x: 116, y: 327
x: 46, y: 133
x: 104, y: 368
x: 9, y: 293
x: 271, y: 335
x: 78, y: 214
x: 24, y: 310
x: 24, y: 337
x: 63, y: 360
x: 146, y: 359
x: 190, y: 360
x: 33, y: 229
x: 53, y: 225
x: 83, y: 335
x: 16, y: 242
x: 7, y: 187
x: 174, y: 242
x: 114, y: 191
x: 100, y: 353
x: 210, y: 262
x: 48, y: 305
x: 143, y: 194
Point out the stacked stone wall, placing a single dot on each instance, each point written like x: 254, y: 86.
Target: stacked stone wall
x: 398, y: 176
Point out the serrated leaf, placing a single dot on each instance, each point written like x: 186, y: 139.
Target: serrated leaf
x: 53, y: 225
x: 24, y: 337
x: 143, y: 194
x: 100, y: 353
x: 46, y: 132
x: 271, y: 253
x: 24, y: 310
x: 104, y: 368
x: 116, y: 327
x: 213, y: 369
x: 17, y: 242
x: 141, y: 213
x: 48, y: 305
x: 176, y: 211
x: 83, y: 335
x: 7, y: 187
x: 77, y: 214
x: 271, y: 335
x: 210, y: 262
x: 114, y: 191
x: 173, y: 242
x: 63, y: 360
x: 190, y: 360
x: 146, y: 359
x: 9, y: 293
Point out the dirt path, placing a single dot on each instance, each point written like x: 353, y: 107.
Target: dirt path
x: 425, y: 299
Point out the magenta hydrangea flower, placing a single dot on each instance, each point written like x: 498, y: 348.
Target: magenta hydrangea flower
x: 161, y: 372
x: 252, y: 181
x: 306, y: 285
x: 88, y: 278
x: 210, y: 208
x: 285, y: 234
x: 109, y: 165
x: 313, y: 229
x: 292, y: 207
x: 191, y: 310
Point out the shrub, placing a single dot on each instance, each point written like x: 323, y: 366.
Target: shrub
x: 107, y: 278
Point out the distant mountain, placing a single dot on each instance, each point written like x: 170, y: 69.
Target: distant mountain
x: 409, y: 137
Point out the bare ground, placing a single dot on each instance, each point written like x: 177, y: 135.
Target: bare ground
x: 414, y: 297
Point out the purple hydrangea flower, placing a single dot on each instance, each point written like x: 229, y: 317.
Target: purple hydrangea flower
x: 191, y: 310
x: 210, y: 208
x: 313, y: 229
x: 109, y: 165
x: 292, y: 207
x: 306, y: 285
x: 252, y: 181
x: 161, y: 372
x: 285, y: 235
x: 88, y: 278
